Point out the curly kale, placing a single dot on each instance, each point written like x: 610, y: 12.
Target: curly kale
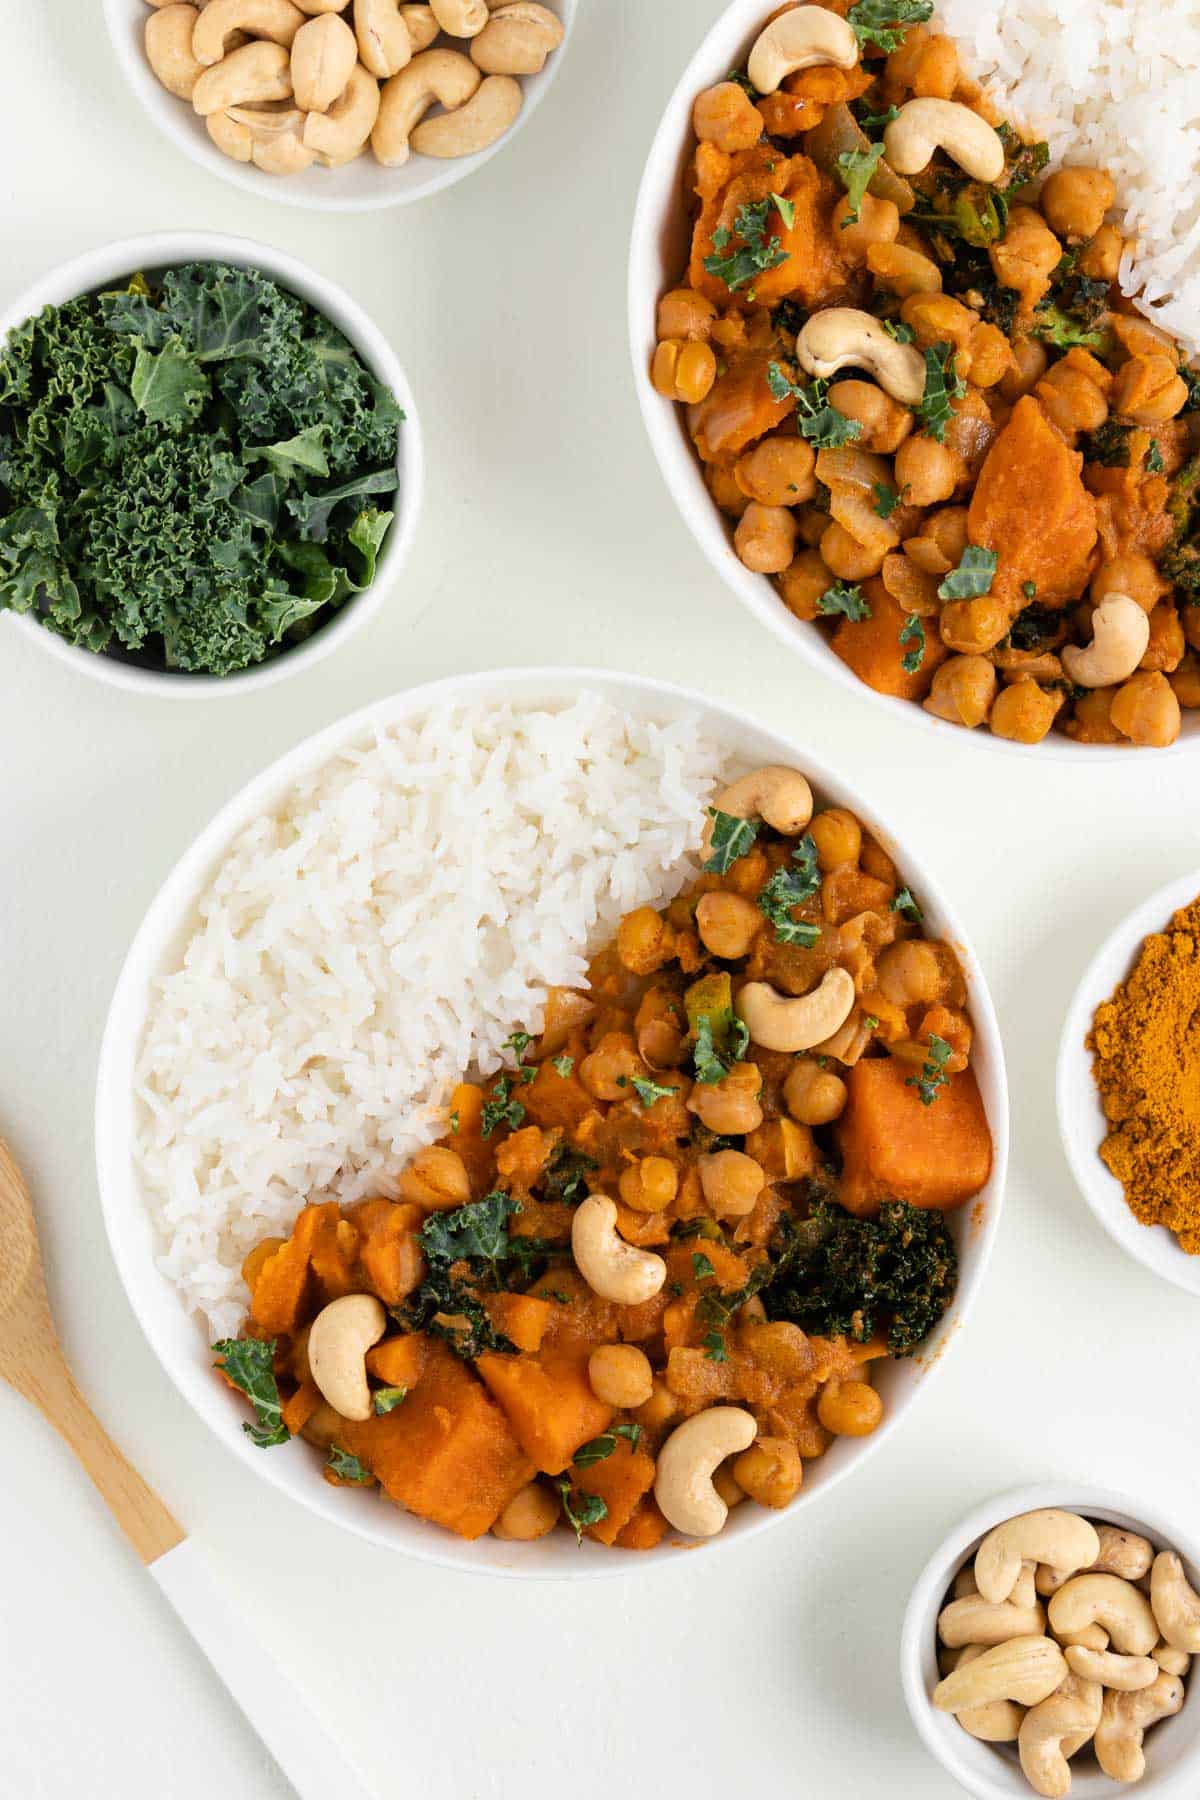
x: 188, y: 474
x: 1181, y: 563
x: 1035, y: 628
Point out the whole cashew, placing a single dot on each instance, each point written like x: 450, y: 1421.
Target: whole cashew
x: 277, y: 144
x: 974, y: 1620
x: 923, y: 126
x: 612, y: 1268
x: 321, y: 6
x: 338, y: 1341
x: 776, y: 1022
x: 779, y: 796
x: 1105, y: 1600
x: 340, y: 134
x: 1176, y: 1603
x: 324, y: 53
x: 842, y: 337
x: 996, y: 1722
x: 1048, y: 1579
x: 258, y: 71
x: 443, y: 75
x: 683, y: 1484
x: 1070, y: 1715
x: 1126, y: 1673
x: 1124, y: 1722
x: 1049, y: 1536
x: 486, y: 116
x: 1025, y: 1669
x: 1024, y: 1589
x: 797, y: 40
x: 1122, y: 1553
x: 1175, y: 1662
x: 1092, y: 1637
x: 168, y: 41
x: 231, y: 137
x: 422, y: 26
x: 461, y: 18
x: 385, y: 44
x: 277, y: 20
x: 1120, y: 634
x: 517, y: 39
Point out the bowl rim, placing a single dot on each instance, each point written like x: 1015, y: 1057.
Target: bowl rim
x: 173, y: 120
x: 677, y: 463
x: 107, y: 262
x: 126, y: 1218
x: 1155, y: 1247
x: 917, y: 1641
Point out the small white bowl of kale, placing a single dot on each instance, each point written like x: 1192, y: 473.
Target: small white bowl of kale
x: 210, y: 464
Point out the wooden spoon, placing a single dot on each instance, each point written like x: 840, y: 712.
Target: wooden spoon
x: 31, y: 1360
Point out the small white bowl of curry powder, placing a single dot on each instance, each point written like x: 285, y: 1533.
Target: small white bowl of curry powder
x: 1129, y: 1083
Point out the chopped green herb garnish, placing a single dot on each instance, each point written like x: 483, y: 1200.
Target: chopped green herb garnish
x: 346, y: 1467
x: 871, y: 1022
x: 501, y: 1109
x: 914, y: 634
x: 904, y: 904
x: 649, y: 1091
x: 580, y: 1509
x: 387, y: 1399
x: 1029, y: 589
x: 872, y: 123
x: 758, y: 252
x: 973, y: 576
x: 1191, y: 380
x: 714, y: 1347
x: 1058, y: 327
x: 884, y: 22
x: 896, y: 328
x: 454, y: 1122
x: 563, y: 1065
x: 856, y: 170
x: 942, y: 386
x: 1154, y: 459
x: 599, y: 1449
x: 933, y: 1075
x: 714, y: 1054
x: 886, y: 499
x: 518, y: 1043
x: 847, y: 600
x: 731, y: 838
x: 701, y: 1267
x: 249, y: 1363
x: 786, y: 209
x: 789, y: 888
x: 819, y: 423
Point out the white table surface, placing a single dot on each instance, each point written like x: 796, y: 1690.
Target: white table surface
x: 547, y: 536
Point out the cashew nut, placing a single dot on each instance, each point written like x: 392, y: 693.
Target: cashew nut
x: 842, y: 337
x: 797, y: 40
x: 321, y: 6
x: 612, y: 1268
x: 974, y: 1620
x: 1024, y: 1590
x: 231, y: 137
x: 1122, y: 1553
x: 1120, y: 634
x: 341, y: 1335
x: 517, y: 39
x: 780, y: 797
x: 997, y: 1722
x: 486, y: 116
x: 443, y: 75
x: 923, y: 126
x: 277, y: 20
x: 258, y: 71
x: 340, y: 134
x: 1105, y: 1600
x: 1176, y: 1603
x: 422, y: 26
x: 1025, y: 1669
x: 277, y: 144
x: 1092, y: 1637
x: 1126, y: 1673
x: 168, y: 41
x: 461, y: 18
x: 324, y: 53
x: 1068, y: 1717
x: 385, y: 44
x: 683, y: 1484
x: 1175, y: 1662
x: 1124, y: 1722
x: 1049, y: 1536
x: 777, y: 1022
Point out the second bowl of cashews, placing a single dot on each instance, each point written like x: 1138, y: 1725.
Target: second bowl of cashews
x: 1091, y: 1697
x: 340, y: 105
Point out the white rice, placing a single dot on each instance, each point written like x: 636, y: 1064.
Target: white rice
x: 1115, y: 83
x: 381, y: 933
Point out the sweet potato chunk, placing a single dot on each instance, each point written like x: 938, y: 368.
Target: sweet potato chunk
x: 549, y: 1402
x: 521, y: 1317
x: 398, y: 1361
x: 895, y: 1148
x: 812, y: 267
x: 739, y: 409
x: 645, y: 1529
x: 872, y: 647
x: 284, y: 1282
x: 1030, y: 506
x: 620, y: 1480
x: 392, y: 1259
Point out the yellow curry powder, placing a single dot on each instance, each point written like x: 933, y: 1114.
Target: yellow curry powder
x: 1145, y: 1045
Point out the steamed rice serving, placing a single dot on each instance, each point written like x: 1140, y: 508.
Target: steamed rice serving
x: 383, y: 929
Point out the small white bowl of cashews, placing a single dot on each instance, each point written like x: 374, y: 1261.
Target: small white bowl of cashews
x: 340, y: 105
x: 1048, y: 1645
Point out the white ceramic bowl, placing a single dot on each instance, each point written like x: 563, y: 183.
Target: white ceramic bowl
x: 657, y: 255
x: 361, y: 186
x: 113, y: 263
x: 178, y: 1340
x: 1080, y: 1115
x: 991, y: 1771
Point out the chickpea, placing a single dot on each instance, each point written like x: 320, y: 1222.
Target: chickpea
x: 645, y: 941
x: 803, y: 582
x: 1026, y: 256
x: 684, y: 372
x: 765, y: 539
x: 973, y: 626
x: 659, y: 1029
x: 1185, y: 681
x: 837, y: 835
x: 949, y: 529
x: 725, y: 490
x: 659, y: 1409
x: 649, y: 1186
x: 1072, y: 400
x: 963, y: 691
x: 530, y: 1514
x: 1145, y: 709
x: 730, y: 1106
x: 878, y: 222
x: 1166, y: 647
x: 885, y: 423
x: 770, y: 1471
x: 1138, y: 337
x: 935, y: 76
x: 912, y: 588
x: 1190, y: 617
x: 1149, y: 390
x: 990, y: 354
x: 928, y: 470
x: 727, y: 924
x: 1101, y: 259
x: 1030, y: 361
x: 1132, y: 574
x: 939, y: 319
x: 610, y: 1068
x: 1074, y: 202
x: 910, y: 973
x: 437, y: 1179
x: 924, y: 553
x: 732, y: 1183
x: 846, y: 557
x: 1024, y: 712
x: 878, y: 864
x: 1091, y: 721
x: 686, y: 315
x: 903, y: 270
x: 620, y: 1375
x: 813, y: 1095
x: 727, y: 1486
x: 726, y: 116
x: 849, y: 1408
x: 778, y: 471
